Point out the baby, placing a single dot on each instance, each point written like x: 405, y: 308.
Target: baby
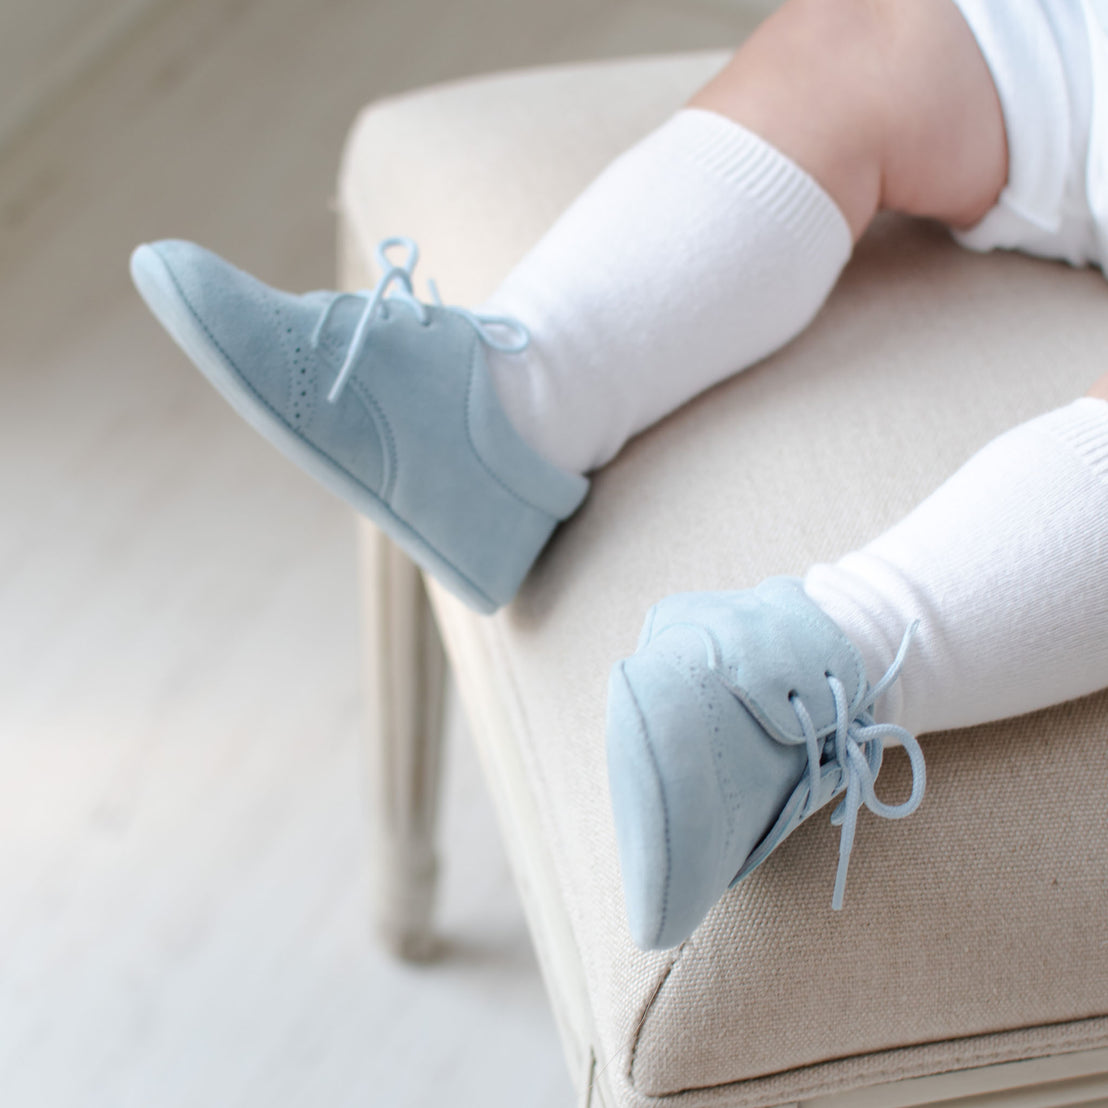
x: 468, y: 435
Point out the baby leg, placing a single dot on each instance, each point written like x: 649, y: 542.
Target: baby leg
x: 743, y: 713
x: 1005, y: 566
x: 889, y: 105
x: 704, y: 248
x: 716, y: 239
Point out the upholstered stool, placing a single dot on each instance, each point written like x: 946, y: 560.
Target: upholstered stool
x: 972, y: 956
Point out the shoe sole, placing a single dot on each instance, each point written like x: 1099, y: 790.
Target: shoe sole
x: 159, y: 289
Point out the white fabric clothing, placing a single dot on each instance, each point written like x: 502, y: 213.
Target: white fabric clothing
x: 696, y: 253
x: 1049, y: 63
x: 1006, y: 568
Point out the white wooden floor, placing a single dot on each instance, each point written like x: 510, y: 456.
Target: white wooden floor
x: 182, y: 876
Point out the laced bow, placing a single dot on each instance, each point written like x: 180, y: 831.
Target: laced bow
x: 857, y: 747
x: 377, y: 304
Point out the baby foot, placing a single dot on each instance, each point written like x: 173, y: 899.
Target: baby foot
x: 385, y: 400
x: 739, y: 715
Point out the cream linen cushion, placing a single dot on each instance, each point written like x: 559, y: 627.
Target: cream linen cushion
x: 976, y: 931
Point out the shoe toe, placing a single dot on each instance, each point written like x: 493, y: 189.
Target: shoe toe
x: 218, y: 312
x: 696, y: 783
x: 196, y: 275
x: 674, y: 823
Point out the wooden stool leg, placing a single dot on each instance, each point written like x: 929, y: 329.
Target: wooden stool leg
x: 406, y: 677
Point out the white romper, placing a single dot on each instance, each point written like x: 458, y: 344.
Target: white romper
x: 1049, y: 61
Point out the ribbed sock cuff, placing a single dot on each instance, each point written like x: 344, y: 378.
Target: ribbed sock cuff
x: 761, y: 174
x: 1083, y: 427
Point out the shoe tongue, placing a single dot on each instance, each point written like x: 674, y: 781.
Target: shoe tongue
x: 772, y: 642
x: 787, y: 647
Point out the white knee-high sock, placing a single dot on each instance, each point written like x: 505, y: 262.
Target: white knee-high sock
x: 697, y: 252
x: 1005, y: 566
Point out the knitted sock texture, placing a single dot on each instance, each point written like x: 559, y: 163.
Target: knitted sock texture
x: 696, y: 253
x: 1006, y: 567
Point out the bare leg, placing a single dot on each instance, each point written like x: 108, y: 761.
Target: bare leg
x: 1100, y: 389
x: 887, y: 103
x: 715, y: 240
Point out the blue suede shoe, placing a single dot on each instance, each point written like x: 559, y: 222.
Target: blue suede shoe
x: 385, y: 400
x: 738, y: 716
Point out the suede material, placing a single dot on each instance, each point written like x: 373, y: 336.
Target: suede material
x: 772, y: 641
x: 704, y: 748
x: 418, y: 424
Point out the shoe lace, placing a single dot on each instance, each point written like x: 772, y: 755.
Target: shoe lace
x: 857, y: 747
x: 375, y: 305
